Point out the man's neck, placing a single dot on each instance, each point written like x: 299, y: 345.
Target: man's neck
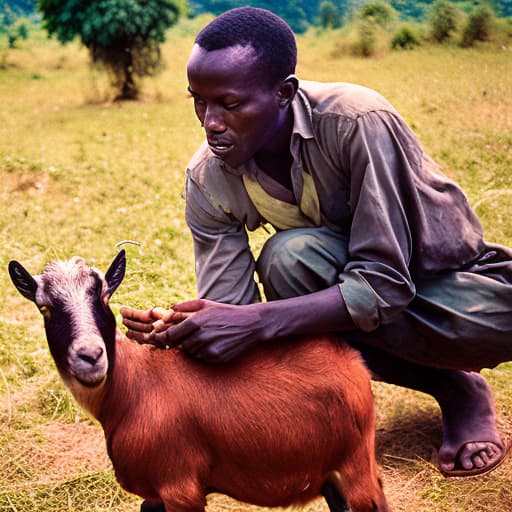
x: 277, y: 166
x: 276, y: 161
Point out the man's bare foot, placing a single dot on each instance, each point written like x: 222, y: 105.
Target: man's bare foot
x: 471, y: 442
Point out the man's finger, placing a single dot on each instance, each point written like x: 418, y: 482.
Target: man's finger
x: 174, y: 334
x: 189, y: 306
x: 138, y: 336
x: 137, y: 326
x: 165, y: 315
x: 139, y: 315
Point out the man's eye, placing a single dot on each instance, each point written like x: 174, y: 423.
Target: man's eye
x: 231, y: 106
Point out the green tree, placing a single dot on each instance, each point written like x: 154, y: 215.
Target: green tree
x: 122, y: 35
x: 444, y: 18
x: 329, y: 14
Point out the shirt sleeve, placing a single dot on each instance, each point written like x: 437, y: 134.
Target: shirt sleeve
x: 382, y: 155
x: 224, y: 263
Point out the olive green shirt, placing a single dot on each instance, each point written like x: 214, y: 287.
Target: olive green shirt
x: 371, y: 181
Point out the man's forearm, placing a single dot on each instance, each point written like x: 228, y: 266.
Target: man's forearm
x: 318, y: 312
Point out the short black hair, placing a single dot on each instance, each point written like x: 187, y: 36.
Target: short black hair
x: 270, y: 36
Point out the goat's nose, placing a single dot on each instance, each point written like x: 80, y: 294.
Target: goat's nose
x: 90, y: 355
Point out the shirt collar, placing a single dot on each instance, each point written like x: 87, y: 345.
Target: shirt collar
x: 302, y: 116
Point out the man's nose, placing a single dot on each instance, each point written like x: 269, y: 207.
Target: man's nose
x: 213, y: 120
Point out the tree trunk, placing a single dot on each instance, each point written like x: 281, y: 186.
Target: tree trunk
x: 129, y: 90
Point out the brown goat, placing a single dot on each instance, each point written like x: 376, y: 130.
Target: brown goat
x: 280, y: 425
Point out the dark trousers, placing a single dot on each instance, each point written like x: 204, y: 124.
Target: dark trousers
x: 458, y: 321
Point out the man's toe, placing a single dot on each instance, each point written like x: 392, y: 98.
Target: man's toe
x: 472, y: 459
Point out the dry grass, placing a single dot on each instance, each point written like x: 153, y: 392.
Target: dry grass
x: 79, y: 173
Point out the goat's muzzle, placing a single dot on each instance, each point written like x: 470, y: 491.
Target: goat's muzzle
x: 88, y: 361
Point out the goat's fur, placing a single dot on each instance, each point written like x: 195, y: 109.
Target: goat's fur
x: 271, y: 428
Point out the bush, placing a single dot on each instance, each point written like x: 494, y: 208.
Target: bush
x: 366, y: 43
x: 478, y: 26
x: 405, y: 39
x: 444, y: 18
x: 380, y: 11
x: 16, y: 31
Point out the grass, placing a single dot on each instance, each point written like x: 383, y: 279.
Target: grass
x: 79, y: 174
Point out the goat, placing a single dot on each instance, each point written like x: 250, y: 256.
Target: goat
x: 281, y: 425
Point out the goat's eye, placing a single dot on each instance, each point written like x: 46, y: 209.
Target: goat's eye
x: 45, y: 311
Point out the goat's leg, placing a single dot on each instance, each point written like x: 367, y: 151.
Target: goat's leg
x: 357, y: 481
x: 334, y: 498
x: 183, y: 496
x: 152, y: 507
x: 172, y: 506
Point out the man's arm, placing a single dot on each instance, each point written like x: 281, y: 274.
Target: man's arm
x: 217, y: 332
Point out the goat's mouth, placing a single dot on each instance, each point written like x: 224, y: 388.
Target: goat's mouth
x: 90, y: 381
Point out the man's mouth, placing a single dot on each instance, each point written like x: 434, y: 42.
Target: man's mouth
x: 220, y: 148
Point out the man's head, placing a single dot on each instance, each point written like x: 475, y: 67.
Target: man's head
x: 271, y: 38
x: 239, y: 75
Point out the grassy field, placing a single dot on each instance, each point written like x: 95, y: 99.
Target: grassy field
x: 79, y: 173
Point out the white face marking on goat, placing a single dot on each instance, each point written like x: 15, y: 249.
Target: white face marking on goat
x: 71, y: 296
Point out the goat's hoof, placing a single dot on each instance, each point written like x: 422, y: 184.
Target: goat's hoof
x: 152, y: 507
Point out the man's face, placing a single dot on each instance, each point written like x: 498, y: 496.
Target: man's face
x: 240, y: 112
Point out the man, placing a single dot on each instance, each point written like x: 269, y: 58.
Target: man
x: 372, y: 241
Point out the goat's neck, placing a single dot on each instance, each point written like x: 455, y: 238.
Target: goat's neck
x: 121, y: 391
x: 89, y: 398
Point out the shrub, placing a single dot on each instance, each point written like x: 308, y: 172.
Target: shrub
x: 366, y: 43
x: 405, y: 39
x: 16, y: 31
x: 380, y: 11
x: 444, y: 17
x: 478, y: 26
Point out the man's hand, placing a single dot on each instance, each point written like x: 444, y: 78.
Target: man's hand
x: 143, y: 323
x: 208, y: 330
x: 217, y: 332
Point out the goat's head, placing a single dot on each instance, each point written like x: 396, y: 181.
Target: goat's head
x: 73, y: 299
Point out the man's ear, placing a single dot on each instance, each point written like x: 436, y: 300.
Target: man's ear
x: 287, y: 90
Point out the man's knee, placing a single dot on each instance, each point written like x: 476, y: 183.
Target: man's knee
x: 300, y: 261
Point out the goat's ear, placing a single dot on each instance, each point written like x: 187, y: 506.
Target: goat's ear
x: 23, y: 281
x: 115, y: 272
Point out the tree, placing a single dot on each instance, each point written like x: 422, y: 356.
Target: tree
x: 329, y: 14
x: 123, y: 35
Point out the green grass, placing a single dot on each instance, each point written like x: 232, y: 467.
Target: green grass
x: 79, y: 173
